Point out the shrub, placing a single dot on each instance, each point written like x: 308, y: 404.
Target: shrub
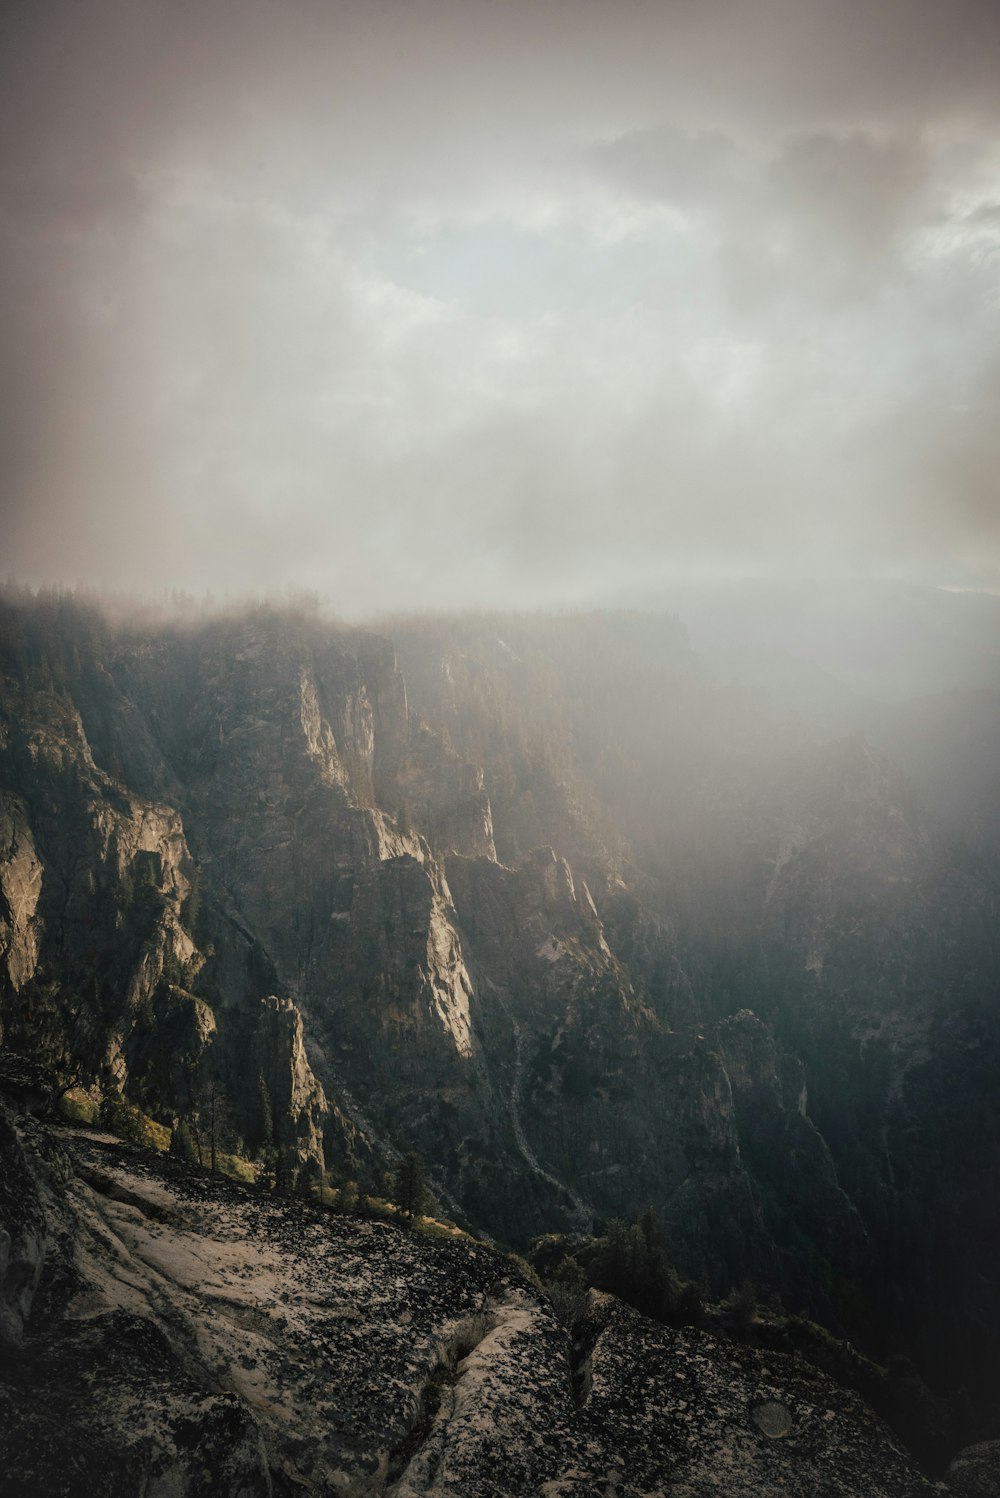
x: 78, y: 1108
x: 123, y: 1118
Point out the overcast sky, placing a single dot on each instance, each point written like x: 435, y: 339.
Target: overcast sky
x: 435, y: 303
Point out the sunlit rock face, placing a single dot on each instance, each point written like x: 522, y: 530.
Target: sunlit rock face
x: 20, y: 889
x: 285, y: 739
x: 94, y: 876
x: 272, y: 737
x: 165, y: 1332
x: 297, y: 1099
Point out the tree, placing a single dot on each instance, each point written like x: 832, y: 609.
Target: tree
x: 310, y: 1179
x: 61, y: 1090
x: 409, y: 1185
x: 182, y: 1141
x: 260, y: 1120
x: 211, y: 1121
x: 567, y: 1290
x: 613, y: 1259
x: 124, y: 1119
x: 347, y: 1197
x: 631, y: 1263
x: 192, y: 905
x: 652, y: 1229
x: 689, y: 1306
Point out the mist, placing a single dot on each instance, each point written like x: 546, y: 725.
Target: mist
x: 444, y: 305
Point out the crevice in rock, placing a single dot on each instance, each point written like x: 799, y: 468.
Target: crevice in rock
x: 405, y: 1450
x: 104, y: 1185
x: 443, y: 1377
x: 583, y: 1340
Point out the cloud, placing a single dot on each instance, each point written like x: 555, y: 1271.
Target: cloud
x: 689, y: 169
x: 859, y: 190
x: 465, y: 302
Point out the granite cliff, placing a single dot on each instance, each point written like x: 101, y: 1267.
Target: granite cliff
x: 542, y: 899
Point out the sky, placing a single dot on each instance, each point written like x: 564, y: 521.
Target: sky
x: 484, y: 302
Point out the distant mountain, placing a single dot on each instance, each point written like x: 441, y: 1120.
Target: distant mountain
x: 881, y: 640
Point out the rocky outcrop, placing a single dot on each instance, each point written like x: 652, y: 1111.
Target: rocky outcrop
x: 975, y: 1472
x: 444, y: 796
x: 187, y: 1335
x: 285, y: 733
x: 20, y: 889
x: 784, y: 1153
x: 401, y: 969
x: 94, y: 882
x: 24, y: 1231
x: 298, y: 1106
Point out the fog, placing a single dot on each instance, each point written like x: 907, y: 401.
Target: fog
x: 438, y: 305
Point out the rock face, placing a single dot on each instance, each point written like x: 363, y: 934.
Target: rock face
x: 89, y: 865
x: 588, y: 929
x: 445, y: 795
x: 168, y: 1333
x: 149, y: 964
x: 297, y: 1100
x: 975, y: 1472
x: 20, y: 888
x: 711, y: 1416
x: 783, y: 1153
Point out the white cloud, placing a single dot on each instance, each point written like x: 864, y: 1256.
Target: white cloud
x: 490, y: 304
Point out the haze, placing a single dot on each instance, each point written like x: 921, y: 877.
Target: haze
x: 440, y: 304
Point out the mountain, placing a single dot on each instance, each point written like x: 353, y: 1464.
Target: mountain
x: 588, y: 922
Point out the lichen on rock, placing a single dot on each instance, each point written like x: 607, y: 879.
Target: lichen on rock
x: 185, y: 1335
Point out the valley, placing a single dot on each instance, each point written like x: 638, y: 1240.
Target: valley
x: 553, y: 900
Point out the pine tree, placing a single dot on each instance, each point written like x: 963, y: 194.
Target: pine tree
x: 182, y: 1142
x: 260, y: 1135
x: 211, y: 1121
x: 409, y: 1185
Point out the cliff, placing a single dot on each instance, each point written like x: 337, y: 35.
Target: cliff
x: 537, y: 898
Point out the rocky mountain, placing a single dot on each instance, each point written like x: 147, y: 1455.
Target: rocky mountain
x: 591, y: 926
x: 166, y: 1332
